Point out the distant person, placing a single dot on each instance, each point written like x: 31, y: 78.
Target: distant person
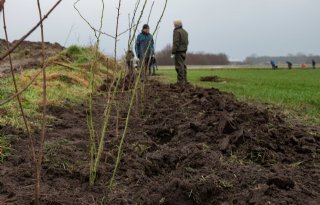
x: 179, y: 51
x: 313, y: 64
x: 144, y: 49
x: 289, y: 65
x: 273, y: 64
x: 129, y: 62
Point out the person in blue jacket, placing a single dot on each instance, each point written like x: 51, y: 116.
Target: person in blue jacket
x: 273, y: 64
x: 144, y: 49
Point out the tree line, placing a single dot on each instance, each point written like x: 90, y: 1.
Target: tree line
x: 163, y: 58
x: 295, y: 59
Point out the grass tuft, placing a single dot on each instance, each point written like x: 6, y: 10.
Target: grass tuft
x: 5, y: 148
x: 63, y: 85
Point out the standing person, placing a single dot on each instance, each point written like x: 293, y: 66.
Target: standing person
x: 289, y: 65
x: 179, y: 51
x: 144, y: 49
x: 313, y: 64
x: 273, y: 64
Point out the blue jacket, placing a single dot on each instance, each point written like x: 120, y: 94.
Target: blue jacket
x: 142, y: 45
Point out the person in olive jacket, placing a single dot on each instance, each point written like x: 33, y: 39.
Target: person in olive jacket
x: 179, y: 51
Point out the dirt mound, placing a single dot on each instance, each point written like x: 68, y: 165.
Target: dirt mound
x: 214, y: 78
x: 27, y: 55
x: 199, y: 146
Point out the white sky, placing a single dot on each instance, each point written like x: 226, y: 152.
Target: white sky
x: 238, y: 28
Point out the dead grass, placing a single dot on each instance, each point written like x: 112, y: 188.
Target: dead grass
x: 67, y: 78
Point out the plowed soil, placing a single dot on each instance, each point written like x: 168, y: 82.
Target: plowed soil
x: 27, y: 55
x: 192, y: 146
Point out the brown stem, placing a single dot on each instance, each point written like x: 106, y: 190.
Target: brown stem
x: 31, y: 144
x: 44, y: 119
x: 3, y: 56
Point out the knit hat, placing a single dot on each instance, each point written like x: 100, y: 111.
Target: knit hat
x: 145, y: 26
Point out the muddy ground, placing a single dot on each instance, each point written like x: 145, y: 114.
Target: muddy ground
x: 191, y: 147
x: 27, y: 55
x: 213, y: 78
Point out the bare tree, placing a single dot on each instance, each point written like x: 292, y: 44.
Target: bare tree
x: 37, y: 155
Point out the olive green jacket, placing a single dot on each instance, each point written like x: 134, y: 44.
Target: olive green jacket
x: 180, y: 41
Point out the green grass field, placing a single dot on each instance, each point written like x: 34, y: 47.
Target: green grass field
x: 296, y: 91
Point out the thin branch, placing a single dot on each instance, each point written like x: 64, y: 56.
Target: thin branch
x: 96, y: 31
x: 84, y: 19
x: 116, y: 35
x: 44, y: 113
x: 120, y: 148
x: 92, y: 134
x: 68, y: 36
x: 130, y: 29
x: 138, y: 22
x: 160, y: 19
x: 22, y: 90
x: 150, y: 12
x: 31, y: 144
x: 125, y: 31
x: 3, y: 56
x: 132, y: 21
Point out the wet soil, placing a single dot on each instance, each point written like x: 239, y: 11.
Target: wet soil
x: 191, y: 146
x: 214, y: 78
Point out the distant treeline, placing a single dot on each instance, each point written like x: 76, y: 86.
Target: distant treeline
x: 163, y: 58
x: 295, y: 59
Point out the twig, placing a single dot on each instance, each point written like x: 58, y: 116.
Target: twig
x: 96, y: 31
x: 68, y: 36
x: 31, y: 144
x: 120, y: 148
x: 132, y: 21
x: 150, y: 12
x: 116, y: 35
x: 90, y: 124
x: 138, y: 22
x: 160, y: 19
x: 3, y: 56
x: 22, y: 90
x: 44, y: 113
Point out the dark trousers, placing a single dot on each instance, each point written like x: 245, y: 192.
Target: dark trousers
x: 144, y: 65
x: 181, y: 67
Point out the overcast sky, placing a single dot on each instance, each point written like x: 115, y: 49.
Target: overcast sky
x: 238, y: 28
